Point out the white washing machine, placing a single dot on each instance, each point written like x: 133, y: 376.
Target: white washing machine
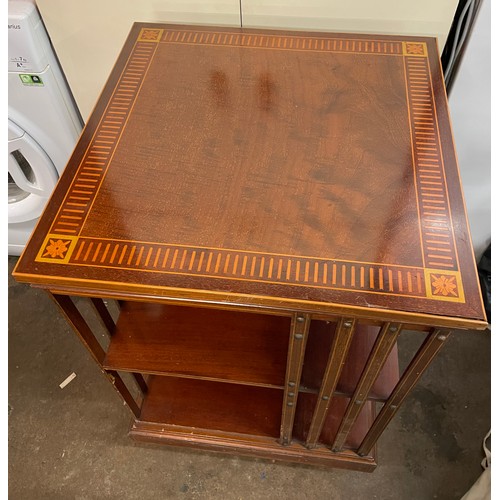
x: 44, y: 122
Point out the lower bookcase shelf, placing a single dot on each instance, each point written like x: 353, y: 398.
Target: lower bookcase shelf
x: 238, y: 418
x: 202, y: 404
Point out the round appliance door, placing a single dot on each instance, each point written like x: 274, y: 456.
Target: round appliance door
x: 32, y: 176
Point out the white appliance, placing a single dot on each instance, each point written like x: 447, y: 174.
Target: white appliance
x: 44, y: 123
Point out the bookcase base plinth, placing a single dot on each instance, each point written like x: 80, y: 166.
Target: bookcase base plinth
x: 261, y: 447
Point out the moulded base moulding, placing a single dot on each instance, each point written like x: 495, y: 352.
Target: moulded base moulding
x: 262, y: 447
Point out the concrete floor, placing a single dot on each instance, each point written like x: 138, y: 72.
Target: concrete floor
x: 72, y: 443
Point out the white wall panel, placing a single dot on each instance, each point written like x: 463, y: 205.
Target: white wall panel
x: 397, y: 17
x: 88, y: 35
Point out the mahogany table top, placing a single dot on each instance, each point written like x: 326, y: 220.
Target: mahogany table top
x: 290, y: 169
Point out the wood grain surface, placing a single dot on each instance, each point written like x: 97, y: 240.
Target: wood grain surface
x: 295, y: 166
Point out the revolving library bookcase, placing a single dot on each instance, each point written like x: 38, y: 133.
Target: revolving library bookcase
x: 271, y: 209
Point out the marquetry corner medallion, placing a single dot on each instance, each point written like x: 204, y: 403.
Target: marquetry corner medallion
x: 150, y: 35
x: 444, y: 285
x: 56, y: 249
x: 415, y: 49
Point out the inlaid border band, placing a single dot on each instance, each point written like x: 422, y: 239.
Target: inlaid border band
x: 92, y: 169
x: 248, y: 266
x: 283, y: 42
x: 432, y: 195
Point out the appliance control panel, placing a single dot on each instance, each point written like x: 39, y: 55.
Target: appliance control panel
x: 27, y: 37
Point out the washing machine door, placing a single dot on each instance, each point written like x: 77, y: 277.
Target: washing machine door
x: 32, y: 176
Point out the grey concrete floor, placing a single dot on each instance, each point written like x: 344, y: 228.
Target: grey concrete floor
x: 72, y: 443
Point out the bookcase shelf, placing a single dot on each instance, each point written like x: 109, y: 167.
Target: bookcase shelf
x: 200, y: 343
x: 208, y: 405
x: 222, y: 416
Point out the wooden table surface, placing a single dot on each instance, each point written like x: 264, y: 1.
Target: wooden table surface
x: 307, y: 171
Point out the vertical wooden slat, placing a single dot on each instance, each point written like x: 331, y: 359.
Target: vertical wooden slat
x: 429, y: 349
x: 383, y: 346
x: 338, y: 353
x: 123, y: 391
x: 103, y: 314
x: 108, y: 323
x: 141, y: 382
x: 76, y: 320
x: 299, y: 330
